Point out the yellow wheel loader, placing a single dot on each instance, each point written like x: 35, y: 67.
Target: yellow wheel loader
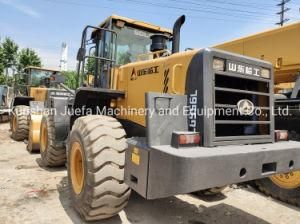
x: 27, y: 91
x: 36, y: 89
x: 154, y: 120
x: 280, y: 47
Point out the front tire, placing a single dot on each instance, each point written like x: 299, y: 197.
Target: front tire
x: 52, y: 153
x: 96, y: 159
x: 19, y: 123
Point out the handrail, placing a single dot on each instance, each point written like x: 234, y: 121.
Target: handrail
x: 110, y: 59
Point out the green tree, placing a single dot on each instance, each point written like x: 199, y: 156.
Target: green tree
x: 10, y: 54
x: 28, y: 57
x: 2, y: 77
x: 90, y: 65
x: 1, y: 61
x: 124, y: 58
x: 70, y: 79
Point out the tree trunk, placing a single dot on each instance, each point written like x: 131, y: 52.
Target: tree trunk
x: 6, y: 75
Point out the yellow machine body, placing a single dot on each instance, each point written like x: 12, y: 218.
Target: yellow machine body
x: 38, y: 93
x: 158, y: 74
x: 279, y: 46
x: 153, y: 74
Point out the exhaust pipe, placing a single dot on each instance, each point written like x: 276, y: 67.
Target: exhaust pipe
x: 176, y: 34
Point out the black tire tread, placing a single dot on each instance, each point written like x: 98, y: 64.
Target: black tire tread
x: 267, y: 187
x: 105, y: 192
x: 22, y: 132
x: 54, y: 155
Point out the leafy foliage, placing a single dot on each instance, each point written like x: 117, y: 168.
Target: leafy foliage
x: 70, y: 79
x: 12, y: 58
x: 90, y: 65
x: 124, y: 58
x: 2, y: 77
x: 10, y: 53
x: 1, y: 60
x: 28, y: 57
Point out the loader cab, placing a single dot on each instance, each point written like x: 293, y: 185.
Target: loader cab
x: 134, y: 39
x: 35, y: 81
x: 35, y: 77
x: 117, y: 41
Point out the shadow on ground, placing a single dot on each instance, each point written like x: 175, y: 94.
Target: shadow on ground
x: 209, y: 198
x: 166, y: 211
x: 4, y: 118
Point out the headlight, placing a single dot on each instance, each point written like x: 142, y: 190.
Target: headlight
x: 219, y: 64
x: 266, y: 73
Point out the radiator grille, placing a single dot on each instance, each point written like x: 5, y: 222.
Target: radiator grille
x: 229, y: 124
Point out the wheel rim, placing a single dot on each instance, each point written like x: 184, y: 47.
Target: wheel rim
x: 14, y: 123
x: 44, y: 137
x: 287, y: 180
x: 77, y: 168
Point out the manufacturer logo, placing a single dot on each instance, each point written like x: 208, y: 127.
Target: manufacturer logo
x: 133, y: 75
x: 243, y: 69
x: 145, y: 71
x: 245, y: 107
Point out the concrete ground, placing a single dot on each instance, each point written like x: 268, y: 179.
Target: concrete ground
x: 31, y: 193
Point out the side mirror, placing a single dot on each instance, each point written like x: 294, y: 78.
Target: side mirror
x: 81, y: 54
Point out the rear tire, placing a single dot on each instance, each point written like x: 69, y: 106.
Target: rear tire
x: 19, y: 123
x: 52, y: 154
x: 288, y: 195
x: 96, y: 159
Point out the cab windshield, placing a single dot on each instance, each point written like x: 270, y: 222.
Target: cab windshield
x: 131, y: 43
x: 38, y: 75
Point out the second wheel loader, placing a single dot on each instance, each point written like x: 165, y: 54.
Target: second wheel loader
x: 34, y: 92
